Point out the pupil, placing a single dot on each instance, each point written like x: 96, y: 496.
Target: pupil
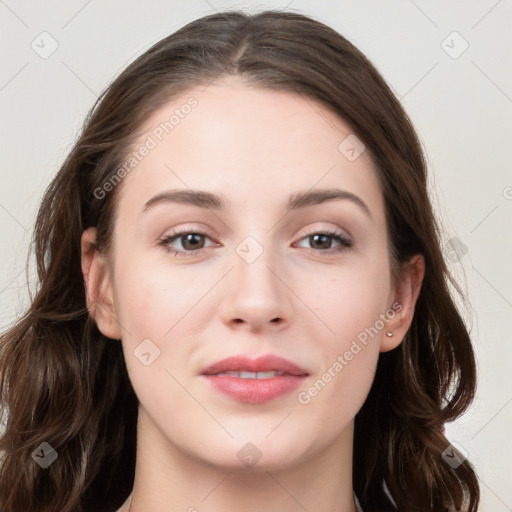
x: 189, y: 240
x: 326, y: 237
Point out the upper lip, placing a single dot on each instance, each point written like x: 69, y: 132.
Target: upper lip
x: 261, y: 364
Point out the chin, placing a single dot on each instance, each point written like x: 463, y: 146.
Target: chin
x: 257, y: 452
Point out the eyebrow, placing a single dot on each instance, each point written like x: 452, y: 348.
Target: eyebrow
x: 300, y: 199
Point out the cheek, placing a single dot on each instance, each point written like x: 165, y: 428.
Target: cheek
x: 152, y: 308
x: 352, y: 299
x: 170, y: 306
x: 349, y: 359
x: 352, y: 307
x: 151, y: 300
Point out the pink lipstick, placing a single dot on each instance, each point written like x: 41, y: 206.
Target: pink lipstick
x: 254, y: 381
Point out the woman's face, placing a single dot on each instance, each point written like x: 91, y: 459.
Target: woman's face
x: 257, y: 279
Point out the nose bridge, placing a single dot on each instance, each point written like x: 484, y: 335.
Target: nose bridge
x: 255, y: 293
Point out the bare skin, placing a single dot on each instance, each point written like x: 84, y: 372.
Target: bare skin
x: 254, y: 147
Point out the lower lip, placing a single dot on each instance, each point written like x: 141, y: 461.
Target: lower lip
x: 255, y: 391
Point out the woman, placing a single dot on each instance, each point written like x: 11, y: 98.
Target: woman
x: 242, y: 299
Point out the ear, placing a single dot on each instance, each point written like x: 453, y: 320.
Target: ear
x: 98, y: 286
x: 403, y: 301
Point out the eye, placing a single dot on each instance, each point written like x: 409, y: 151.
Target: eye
x: 193, y: 241
x: 322, y: 240
x: 190, y: 242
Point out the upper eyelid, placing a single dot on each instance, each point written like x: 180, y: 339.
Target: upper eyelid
x: 339, y: 231
x: 304, y: 232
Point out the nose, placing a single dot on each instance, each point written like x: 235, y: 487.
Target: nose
x: 256, y: 295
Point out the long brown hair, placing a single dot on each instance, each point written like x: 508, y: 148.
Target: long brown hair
x: 65, y: 384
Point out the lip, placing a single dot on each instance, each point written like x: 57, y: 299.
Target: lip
x: 254, y: 391
x: 261, y: 364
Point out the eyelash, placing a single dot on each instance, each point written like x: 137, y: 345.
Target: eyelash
x: 166, y: 240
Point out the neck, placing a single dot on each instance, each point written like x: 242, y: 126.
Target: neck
x: 168, y: 479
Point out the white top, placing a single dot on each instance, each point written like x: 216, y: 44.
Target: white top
x: 358, y: 505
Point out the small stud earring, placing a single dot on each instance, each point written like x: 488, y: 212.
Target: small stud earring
x: 389, y: 334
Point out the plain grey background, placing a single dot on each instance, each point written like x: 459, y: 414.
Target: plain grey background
x: 448, y: 63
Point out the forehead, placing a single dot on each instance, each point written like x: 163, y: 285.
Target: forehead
x: 248, y: 143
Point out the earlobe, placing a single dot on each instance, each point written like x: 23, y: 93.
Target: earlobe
x: 98, y: 286
x: 406, y: 294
